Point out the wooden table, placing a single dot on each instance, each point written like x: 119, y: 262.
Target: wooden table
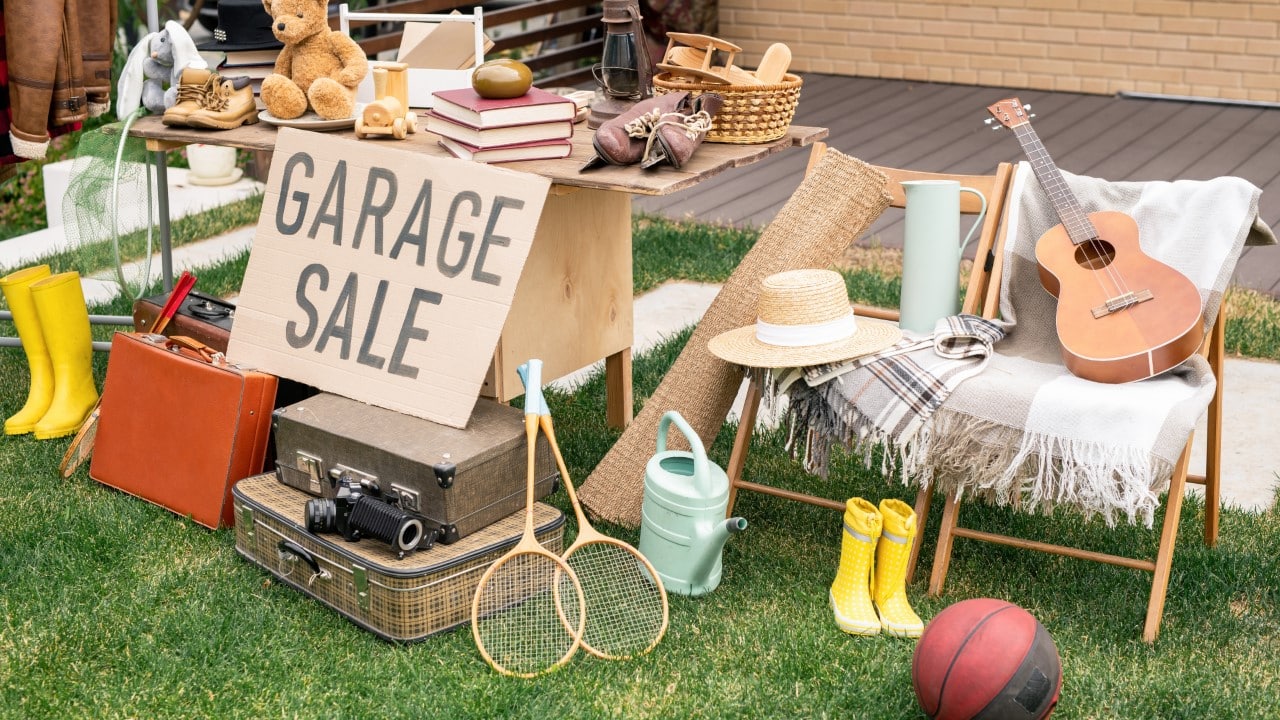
x: 573, y: 305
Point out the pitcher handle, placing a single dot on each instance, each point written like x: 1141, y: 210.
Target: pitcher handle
x: 977, y: 223
x: 701, y: 468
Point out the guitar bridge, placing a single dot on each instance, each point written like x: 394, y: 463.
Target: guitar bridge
x: 1120, y: 302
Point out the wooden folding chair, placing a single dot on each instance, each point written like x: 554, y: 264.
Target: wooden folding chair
x: 984, y: 275
x: 1212, y: 350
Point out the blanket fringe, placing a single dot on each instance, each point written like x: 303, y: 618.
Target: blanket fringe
x: 1004, y: 466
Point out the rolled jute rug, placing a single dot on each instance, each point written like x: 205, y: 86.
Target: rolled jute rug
x: 835, y: 204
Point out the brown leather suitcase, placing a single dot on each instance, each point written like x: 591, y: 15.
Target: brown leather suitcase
x: 178, y: 425
x: 203, y: 317
x: 399, y: 598
x: 457, y: 480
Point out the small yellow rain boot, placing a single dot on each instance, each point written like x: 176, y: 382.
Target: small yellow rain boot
x: 889, y: 583
x: 64, y: 319
x: 17, y: 294
x: 850, y: 593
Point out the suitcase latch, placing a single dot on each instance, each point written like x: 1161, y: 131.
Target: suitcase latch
x: 246, y: 520
x: 310, y: 466
x: 360, y: 577
x: 409, y: 499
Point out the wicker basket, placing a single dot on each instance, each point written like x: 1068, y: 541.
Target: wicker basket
x: 751, y: 113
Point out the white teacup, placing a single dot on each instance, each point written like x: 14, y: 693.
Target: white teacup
x: 211, y: 162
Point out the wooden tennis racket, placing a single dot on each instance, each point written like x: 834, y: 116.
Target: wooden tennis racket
x: 528, y: 611
x: 625, y: 601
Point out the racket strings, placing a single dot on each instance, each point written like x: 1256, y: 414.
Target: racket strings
x: 626, y: 608
x: 528, y: 614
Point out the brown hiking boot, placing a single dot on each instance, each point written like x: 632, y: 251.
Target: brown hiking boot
x: 196, y: 84
x: 228, y: 106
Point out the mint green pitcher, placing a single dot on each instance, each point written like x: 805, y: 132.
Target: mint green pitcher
x: 683, y: 526
x: 931, y: 252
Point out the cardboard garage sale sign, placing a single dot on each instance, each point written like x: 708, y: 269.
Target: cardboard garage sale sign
x: 384, y: 275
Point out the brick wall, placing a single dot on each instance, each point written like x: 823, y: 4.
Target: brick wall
x: 1225, y: 49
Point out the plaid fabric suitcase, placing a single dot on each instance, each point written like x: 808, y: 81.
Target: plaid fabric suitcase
x: 403, y: 600
x: 459, y: 481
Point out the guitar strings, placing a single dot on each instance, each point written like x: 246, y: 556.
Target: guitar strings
x: 1047, y: 172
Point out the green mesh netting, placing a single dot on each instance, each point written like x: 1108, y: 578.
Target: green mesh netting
x: 108, y: 213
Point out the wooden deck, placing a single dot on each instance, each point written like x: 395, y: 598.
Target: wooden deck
x: 940, y: 128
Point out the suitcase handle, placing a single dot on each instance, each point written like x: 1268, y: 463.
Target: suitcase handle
x: 178, y: 343
x: 289, y: 547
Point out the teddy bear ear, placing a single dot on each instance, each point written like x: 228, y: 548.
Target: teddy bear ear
x: 266, y: 5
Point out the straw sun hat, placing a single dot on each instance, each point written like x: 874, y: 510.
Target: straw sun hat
x: 803, y: 318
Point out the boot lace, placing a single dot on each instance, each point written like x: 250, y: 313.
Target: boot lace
x: 197, y: 92
x: 646, y: 125
x: 219, y: 98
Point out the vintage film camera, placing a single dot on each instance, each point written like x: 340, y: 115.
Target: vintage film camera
x: 360, y: 509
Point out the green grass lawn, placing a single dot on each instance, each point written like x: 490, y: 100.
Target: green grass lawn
x: 111, y: 607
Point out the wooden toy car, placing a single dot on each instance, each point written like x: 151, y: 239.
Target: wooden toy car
x: 389, y: 113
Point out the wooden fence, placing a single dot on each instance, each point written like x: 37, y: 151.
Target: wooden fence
x: 558, y: 39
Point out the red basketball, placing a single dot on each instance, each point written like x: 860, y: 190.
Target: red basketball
x: 986, y: 658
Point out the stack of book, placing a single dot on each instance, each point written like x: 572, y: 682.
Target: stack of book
x: 535, y: 126
x: 255, y: 64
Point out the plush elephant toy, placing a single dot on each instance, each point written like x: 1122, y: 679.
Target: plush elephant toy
x: 154, y: 69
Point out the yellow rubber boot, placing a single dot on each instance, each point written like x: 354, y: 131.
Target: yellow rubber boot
x: 889, y: 584
x: 851, y: 591
x: 17, y: 294
x: 59, y: 302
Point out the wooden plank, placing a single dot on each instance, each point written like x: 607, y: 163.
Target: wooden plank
x: 711, y: 200
x: 711, y: 160
x: 572, y: 305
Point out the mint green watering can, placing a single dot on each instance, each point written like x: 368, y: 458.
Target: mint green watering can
x: 684, y: 527
x: 931, y: 252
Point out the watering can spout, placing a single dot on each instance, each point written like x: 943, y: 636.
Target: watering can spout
x: 711, y: 542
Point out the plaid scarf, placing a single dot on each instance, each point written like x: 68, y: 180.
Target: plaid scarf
x: 887, y: 397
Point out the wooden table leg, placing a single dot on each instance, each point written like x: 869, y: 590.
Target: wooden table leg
x: 617, y: 383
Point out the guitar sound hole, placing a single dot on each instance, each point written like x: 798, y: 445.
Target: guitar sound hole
x: 1095, y: 254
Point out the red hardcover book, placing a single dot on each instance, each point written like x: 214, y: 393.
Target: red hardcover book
x: 543, y: 150
x: 498, y: 136
x: 464, y: 106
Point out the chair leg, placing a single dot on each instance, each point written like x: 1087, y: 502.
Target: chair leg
x: 1213, y: 436
x: 942, y: 554
x: 1168, y: 539
x: 742, y: 442
x: 924, y: 499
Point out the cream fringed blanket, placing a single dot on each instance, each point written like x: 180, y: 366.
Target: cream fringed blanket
x: 1027, y: 433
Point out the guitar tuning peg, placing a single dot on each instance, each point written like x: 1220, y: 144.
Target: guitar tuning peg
x: 1027, y: 107
x: 989, y: 120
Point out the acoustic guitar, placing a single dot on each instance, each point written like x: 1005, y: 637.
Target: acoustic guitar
x: 1122, y: 315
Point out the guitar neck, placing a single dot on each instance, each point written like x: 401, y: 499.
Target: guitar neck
x: 1073, y: 217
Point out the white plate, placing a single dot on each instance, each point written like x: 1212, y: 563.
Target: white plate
x: 309, y: 121
x: 236, y: 174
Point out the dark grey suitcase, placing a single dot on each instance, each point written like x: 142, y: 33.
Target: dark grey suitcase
x: 459, y: 481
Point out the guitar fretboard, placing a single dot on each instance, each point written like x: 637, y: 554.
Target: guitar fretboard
x: 1073, y: 217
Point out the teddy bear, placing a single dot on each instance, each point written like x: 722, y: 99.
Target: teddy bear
x: 318, y: 68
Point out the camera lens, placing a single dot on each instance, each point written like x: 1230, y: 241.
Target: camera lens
x: 321, y: 515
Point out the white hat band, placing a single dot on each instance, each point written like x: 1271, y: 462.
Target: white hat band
x: 811, y: 334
